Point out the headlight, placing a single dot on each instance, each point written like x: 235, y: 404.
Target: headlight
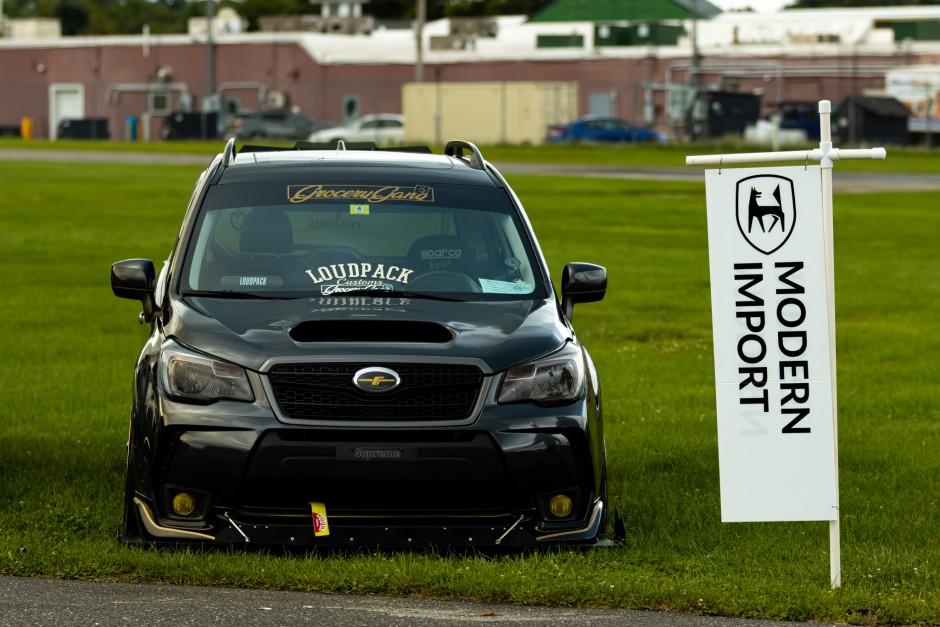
x: 191, y: 376
x: 557, y: 378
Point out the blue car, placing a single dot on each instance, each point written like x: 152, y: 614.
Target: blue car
x: 606, y: 129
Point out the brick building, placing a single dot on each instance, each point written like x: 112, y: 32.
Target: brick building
x: 641, y: 67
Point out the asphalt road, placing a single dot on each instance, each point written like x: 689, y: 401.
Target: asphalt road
x: 28, y: 602
x: 842, y: 181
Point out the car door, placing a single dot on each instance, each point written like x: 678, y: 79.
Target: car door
x: 368, y: 131
x: 596, y: 131
x: 276, y: 124
x: 626, y: 132
x: 390, y: 131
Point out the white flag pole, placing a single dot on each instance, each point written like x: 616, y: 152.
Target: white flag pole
x: 825, y: 166
x: 825, y: 155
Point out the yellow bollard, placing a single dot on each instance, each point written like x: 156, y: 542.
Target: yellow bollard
x: 26, y: 128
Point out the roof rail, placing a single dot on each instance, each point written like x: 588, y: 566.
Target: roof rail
x: 455, y: 148
x: 229, y: 153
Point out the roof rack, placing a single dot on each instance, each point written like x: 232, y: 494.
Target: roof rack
x: 455, y: 148
x: 339, y: 145
x: 229, y: 153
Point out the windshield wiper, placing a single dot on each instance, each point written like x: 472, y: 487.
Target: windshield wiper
x: 237, y: 295
x: 405, y: 294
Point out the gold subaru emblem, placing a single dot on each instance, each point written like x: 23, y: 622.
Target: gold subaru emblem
x: 376, y: 379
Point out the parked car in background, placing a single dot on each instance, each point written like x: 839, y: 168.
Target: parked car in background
x: 802, y: 116
x: 272, y: 124
x: 190, y: 125
x: 600, y: 128
x: 383, y: 129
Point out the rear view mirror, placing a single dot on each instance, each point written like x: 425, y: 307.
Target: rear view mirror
x: 582, y: 283
x: 135, y: 279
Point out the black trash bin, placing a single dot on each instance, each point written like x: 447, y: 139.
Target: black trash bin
x: 83, y: 128
x: 181, y: 125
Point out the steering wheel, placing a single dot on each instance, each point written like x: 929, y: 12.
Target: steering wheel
x: 447, y: 281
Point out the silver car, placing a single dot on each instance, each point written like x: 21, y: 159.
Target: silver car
x: 282, y: 124
x: 383, y: 129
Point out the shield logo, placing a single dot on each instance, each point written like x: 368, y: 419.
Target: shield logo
x: 766, y: 211
x: 376, y: 379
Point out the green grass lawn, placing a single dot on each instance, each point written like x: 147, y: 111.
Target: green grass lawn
x: 900, y: 159
x: 69, y: 348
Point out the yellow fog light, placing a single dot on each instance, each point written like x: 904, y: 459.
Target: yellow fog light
x: 183, y: 504
x: 560, y: 505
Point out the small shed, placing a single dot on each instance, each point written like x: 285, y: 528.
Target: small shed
x: 507, y: 112
x: 871, y: 119
x: 718, y: 113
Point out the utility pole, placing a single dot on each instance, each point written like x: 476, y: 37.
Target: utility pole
x: 207, y: 98
x: 419, y: 27
x: 695, y: 80
x: 210, y: 61
x: 696, y: 57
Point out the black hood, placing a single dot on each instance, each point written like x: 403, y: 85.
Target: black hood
x: 253, y: 332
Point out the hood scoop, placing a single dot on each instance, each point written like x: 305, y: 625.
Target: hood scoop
x: 371, y: 331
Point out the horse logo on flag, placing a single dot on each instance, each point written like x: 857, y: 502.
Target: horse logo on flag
x: 766, y: 211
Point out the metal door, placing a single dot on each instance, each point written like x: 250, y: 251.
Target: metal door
x: 66, y: 102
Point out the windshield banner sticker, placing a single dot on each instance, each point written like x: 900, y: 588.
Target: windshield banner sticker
x: 372, y: 194
x: 492, y: 286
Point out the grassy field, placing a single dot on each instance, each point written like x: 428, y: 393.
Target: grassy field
x: 907, y: 159
x: 69, y: 347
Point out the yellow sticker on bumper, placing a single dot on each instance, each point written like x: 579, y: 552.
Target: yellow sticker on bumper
x: 320, y: 525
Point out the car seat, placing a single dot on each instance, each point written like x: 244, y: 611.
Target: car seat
x: 267, y: 238
x: 267, y: 232
x: 441, y: 253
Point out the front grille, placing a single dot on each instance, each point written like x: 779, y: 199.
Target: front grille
x: 450, y: 473
x: 325, y: 391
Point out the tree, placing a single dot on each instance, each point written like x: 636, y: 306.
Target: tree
x: 106, y: 17
x: 252, y: 10
x: 842, y: 4
x: 73, y: 17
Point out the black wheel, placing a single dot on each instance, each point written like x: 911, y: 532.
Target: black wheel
x: 604, y: 500
x: 130, y: 523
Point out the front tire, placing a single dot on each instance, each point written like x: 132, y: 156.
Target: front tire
x: 604, y: 500
x: 131, y: 529
x: 130, y: 523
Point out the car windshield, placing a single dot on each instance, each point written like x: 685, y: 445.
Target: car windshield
x: 450, y: 242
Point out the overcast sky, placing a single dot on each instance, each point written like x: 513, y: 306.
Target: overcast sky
x: 761, y: 6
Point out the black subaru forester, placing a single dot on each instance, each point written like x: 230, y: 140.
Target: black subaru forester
x: 352, y: 347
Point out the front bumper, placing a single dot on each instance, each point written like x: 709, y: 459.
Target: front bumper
x: 253, y: 478
x: 525, y: 531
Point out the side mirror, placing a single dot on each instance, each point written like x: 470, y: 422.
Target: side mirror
x: 135, y: 279
x: 582, y: 283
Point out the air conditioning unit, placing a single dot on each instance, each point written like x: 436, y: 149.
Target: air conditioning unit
x: 276, y: 100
